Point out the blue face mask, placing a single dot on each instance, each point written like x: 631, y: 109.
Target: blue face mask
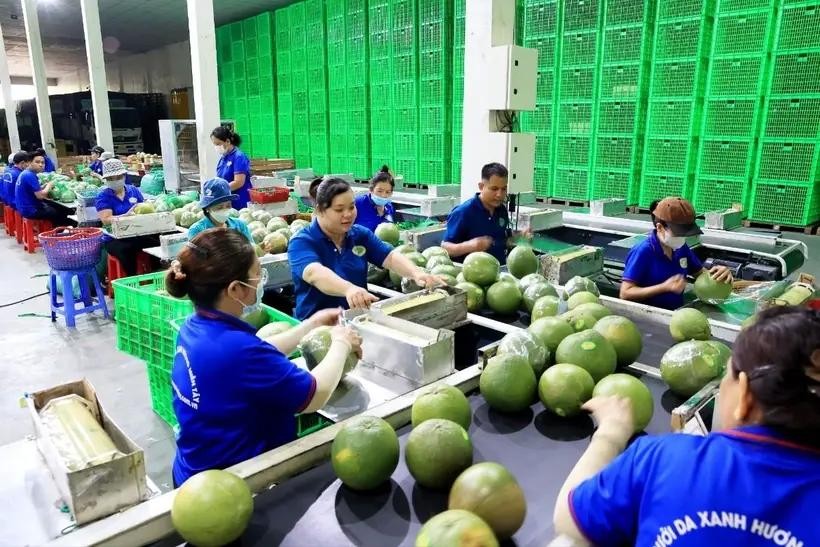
x: 248, y: 309
x: 380, y: 201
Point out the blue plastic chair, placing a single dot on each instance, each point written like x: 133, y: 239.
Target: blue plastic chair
x: 67, y: 307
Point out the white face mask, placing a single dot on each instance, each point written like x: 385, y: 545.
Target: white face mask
x: 220, y: 216
x: 115, y: 184
x: 220, y: 149
x: 674, y: 242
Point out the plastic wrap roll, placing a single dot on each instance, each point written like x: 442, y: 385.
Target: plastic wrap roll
x: 73, y: 429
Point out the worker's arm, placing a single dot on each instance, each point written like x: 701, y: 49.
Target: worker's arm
x: 329, y: 371
x: 721, y: 274
x: 327, y: 281
x: 474, y: 245
x: 399, y: 263
x: 107, y: 214
x: 631, y: 291
x: 287, y: 341
x: 237, y: 182
x: 43, y: 194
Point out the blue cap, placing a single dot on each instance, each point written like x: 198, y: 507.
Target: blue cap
x: 216, y: 191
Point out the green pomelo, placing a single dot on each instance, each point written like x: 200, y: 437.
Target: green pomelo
x: 416, y: 257
x: 689, y: 324
x: 435, y: 250
x: 582, y: 297
x: 531, y: 279
x: 525, y: 344
x: 624, y: 337
x: 365, y: 452
x: 475, y: 295
x: 388, y: 232
x: 142, y: 208
x: 708, y: 289
x: 536, y: 291
x: 580, y: 284
x: 690, y: 365
x: 456, y: 528
x: 589, y: 350
x: 395, y: 279
x: 596, y: 310
x: 315, y: 345
x: 579, y: 320
x: 481, y: 269
x: 212, y: 508
x: 564, y: 387
x: 275, y: 243
x: 449, y: 280
x: 443, y: 269
x: 724, y: 353
x: 375, y: 274
x: 460, y: 278
x: 507, y: 277
x: 437, y: 452
x: 256, y: 225
x: 491, y: 492
x: 550, y: 331
x: 258, y: 235
x: 504, y: 298
x: 629, y: 387
x: 273, y: 224
x: 522, y: 261
x: 406, y: 248
x: 272, y: 329
x: 442, y: 401
x: 546, y: 306
x: 439, y: 260
x: 508, y: 383
x: 264, y: 217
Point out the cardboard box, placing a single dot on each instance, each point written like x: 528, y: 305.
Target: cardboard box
x: 140, y: 225
x: 100, y: 490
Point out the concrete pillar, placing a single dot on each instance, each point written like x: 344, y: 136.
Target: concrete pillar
x: 38, y: 72
x: 10, y: 104
x: 96, y: 74
x: 206, y: 83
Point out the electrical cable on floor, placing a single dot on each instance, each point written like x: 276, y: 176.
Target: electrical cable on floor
x: 24, y: 300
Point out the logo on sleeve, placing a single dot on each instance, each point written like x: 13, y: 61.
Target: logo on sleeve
x: 132, y: 200
x: 684, y: 263
x: 359, y: 250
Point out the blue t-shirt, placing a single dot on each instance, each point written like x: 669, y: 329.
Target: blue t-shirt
x: 49, y: 167
x: 235, y: 395
x: 24, y: 190
x: 236, y: 163
x: 647, y: 265
x: 744, y: 486
x: 311, y: 245
x: 108, y: 199
x: 96, y: 167
x: 205, y: 224
x: 368, y: 216
x: 9, y: 183
x: 470, y: 220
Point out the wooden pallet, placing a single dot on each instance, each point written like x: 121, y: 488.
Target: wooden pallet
x: 565, y: 202
x: 415, y: 185
x: 267, y: 167
x: 810, y: 229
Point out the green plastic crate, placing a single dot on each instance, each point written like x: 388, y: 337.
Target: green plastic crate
x: 796, y: 74
x: 435, y: 36
x: 318, y: 122
x: 795, y: 161
x: 543, y: 150
x: 799, y: 27
x: 404, y: 94
x: 571, y: 184
x: 736, y: 76
x: 676, y: 9
x: 238, y: 50
x: 673, y: 118
x: 620, y: 82
x: 577, y: 83
x: 626, y: 13
x: 615, y: 153
x: 540, y: 19
x: 581, y: 14
x: 575, y: 118
x: 434, y: 64
x: 434, y: 118
x: 356, y: 24
x: 357, y: 122
x: 546, y: 51
x: 617, y: 117
x: 283, y: 62
x: 251, y: 49
x: 544, y: 90
x: 538, y: 121
x: 403, y: 14
x: 573, y: 152
x: 408, y: 167
x: 378, y: 16
x: 725, y: 158
x: 249, y: 28
x: 679, y: 40
x: 431, y: 11
x: 796, y: 205
x: 406, y: 145
x: 718, y: 194
x: 624, y: 44
x: 667, y: 155
x: 310, y: 423
x: 433, y: 92
x: 264, y: 24
x: 434, y: 145
x: 727, y: 6
x: 434, y: 171
x: 658, y: 186
x: 731, y: 118
x: 381, y: 45
x: 282, y: 25
x: 161, y: 391
x: 745, y: 32
x: 236, y: 31
x: 792, y: 118
x: 541, y: 181
x: 579, y: 49
x: 614, y: 184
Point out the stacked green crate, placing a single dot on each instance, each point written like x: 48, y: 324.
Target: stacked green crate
x: 358, y: 111
x: 404, y: 17
x: 317, y: 86
x: 284, y: 83
x: 299, y: 75
x: 683, y: 36
x: 337, y: 85
x: 223, y: 60
x: 739, y: 65
x: 540, y: 32
x: 435, y: 21
x: 459, y: 27
x: 259, y: 71
x: 241, y: 113
x: 786, y: 188
x: 381, y: 88
x: 621, y: 109
x: 577, y: 96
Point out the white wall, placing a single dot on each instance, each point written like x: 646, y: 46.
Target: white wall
x: 156, y: 71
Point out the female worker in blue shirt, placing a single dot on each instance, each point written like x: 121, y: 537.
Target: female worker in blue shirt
x: 329, y: 258
x: 96, y: 160
x: 234, y: 166
x: 216, y: 204
x: 756, y: 482
x: 375, y: 207
x: 656, y: 269
x: 235, y: 395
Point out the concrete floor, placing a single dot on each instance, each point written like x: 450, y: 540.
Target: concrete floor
x: 38, y: 354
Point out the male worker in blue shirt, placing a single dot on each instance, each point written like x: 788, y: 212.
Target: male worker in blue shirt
x: 481, y: 223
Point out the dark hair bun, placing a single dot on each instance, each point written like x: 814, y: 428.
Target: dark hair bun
x: 178, y: 288
x: 314, y: 187
x: 385, y: 169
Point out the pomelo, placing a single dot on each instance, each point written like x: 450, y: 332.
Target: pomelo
x: 596, y: 310
x: 550, y: 331
x: 724, y: 353
x: 315, y: 345
x: 406, y: 248
x: 534, y: 292
x: 504, y: 298
x: 589, y: 350
x: 481, y: 269
x: 375, y: 274
x: 690, y: 365
x: 629, y: 387
x: 443, y: 269
x: 491, y: 492
x: 298, y: 224
x: 689, y: 324
x: 212, y: 508
x: 507, y: 278
x: 508, y: 383
x: 582, y: 297
x: 449, y: 280
x: 256, y: 225
x: 408, y: 286
x: 624, y: 337
x: 438, y: 260
x: 416, y: 257
x: 395, y: 279
x: 437, y: 452
x: 365, y: 452
x: 258, y: 319
x: 141, y: 208
x: 579, y: 320
x: 259, y: 250
x: 272, y: 329
x: 264, y: 217
x: 258, y: 235
x: 187, y: 219
x: 522, y: 261
x: 285, y: 232
x: 564, y: 387
x: 580, y: 284
x: 273, y: 223
x: 546, y: 306
x: 531, y: 279
x: 525, y: 344
x: 456, y: 528
x: 388, y: 232
x: 435, y: 250
x: 275, y: 243
x: 475, y: 295
x: 442, y: 401
x: 460, y: 278
x: 708, y: 289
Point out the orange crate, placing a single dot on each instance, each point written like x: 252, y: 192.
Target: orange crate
x: 269, y: 195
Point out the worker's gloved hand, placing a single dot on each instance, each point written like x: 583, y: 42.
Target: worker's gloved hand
x: 328, y: 317
x: 349, y: 337
x: 675, y: 284
x: 721, y: 274
x: 482, y: 243
x: 426, y: 280
x: 614, y: 417
x: 359, y: 298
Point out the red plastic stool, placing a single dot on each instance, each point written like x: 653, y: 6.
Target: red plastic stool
x: 18, y: 226
x: 8, y: 218
x: 115, y: 270
x: 31, y: 229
